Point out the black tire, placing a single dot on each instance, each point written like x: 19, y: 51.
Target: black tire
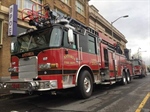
x: 85, y: 85
x: 124, y: 79
x: 128, y: 77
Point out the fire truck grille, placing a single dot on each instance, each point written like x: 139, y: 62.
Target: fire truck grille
x: 28, y: 68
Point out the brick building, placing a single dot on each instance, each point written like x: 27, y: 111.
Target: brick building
x: 99, y: 23
x: 78, y: 9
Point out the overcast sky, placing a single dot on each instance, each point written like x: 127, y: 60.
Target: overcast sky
x: 136, y: 27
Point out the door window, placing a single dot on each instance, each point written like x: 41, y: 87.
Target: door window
x: 65, y: 41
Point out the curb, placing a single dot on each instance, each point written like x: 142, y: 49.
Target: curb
x: 5, y: 96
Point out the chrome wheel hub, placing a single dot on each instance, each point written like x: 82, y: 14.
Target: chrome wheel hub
x: 87, y: 84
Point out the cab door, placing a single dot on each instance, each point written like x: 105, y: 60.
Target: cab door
x: 70, y: 63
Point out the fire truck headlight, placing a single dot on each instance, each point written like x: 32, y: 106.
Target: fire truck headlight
x: 4, y: 85
x: 45, y: 66
x: 41, y: 66
x: 41, y: 85
x: 53, y: 84
x: 12, y: 69
x: 48, y: 66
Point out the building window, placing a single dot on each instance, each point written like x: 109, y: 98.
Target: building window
x: 66, y: 2
x: 22, y: 4
x: 60, y: 13
x: 79, y: 8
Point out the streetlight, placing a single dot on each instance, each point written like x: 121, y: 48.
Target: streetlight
x: 115, y: 21
x: 139, y: 52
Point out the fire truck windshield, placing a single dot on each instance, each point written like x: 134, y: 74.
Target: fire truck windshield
x: 41, y: 39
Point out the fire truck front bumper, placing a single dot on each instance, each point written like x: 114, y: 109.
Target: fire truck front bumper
x: 25, y: 87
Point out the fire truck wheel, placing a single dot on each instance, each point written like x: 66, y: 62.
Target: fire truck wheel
x: 85, y: 85
x: 124, y: 79
x: 128, y: 78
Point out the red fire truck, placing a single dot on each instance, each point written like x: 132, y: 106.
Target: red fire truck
x: 64, y: 54
x: 139, y: 68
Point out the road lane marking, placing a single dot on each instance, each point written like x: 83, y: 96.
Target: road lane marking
x: 143, y: 103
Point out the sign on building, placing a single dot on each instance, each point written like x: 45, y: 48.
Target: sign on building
x: 12, y: 25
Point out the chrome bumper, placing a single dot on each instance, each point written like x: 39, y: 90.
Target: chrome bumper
x: 24, y: 87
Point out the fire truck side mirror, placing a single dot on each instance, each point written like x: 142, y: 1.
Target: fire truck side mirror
x: 70, y: 36
x: 13, y: 47
x: 140, y: 62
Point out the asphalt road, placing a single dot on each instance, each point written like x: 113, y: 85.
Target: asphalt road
x: 114, y: 98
